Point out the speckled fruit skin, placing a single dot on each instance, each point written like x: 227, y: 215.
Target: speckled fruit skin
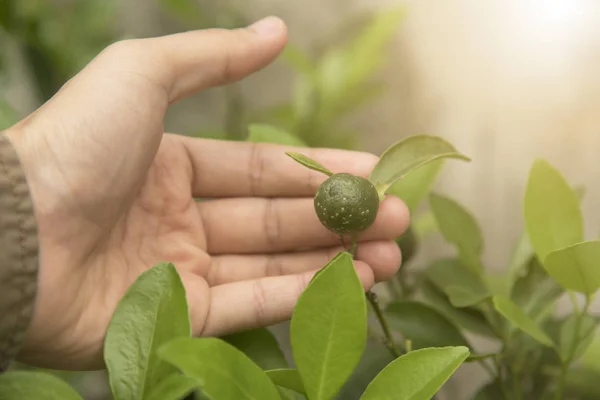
x: 346, y: 204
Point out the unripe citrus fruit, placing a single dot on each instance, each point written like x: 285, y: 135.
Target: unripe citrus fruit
x: 346, y: 204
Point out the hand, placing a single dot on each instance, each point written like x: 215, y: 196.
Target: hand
x: 114, y: 195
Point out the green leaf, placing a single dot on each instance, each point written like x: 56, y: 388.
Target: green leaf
x: 260, y: 346
x: 304, y: 100
x: 447, y: 273
x: 287, y: 378
x: 424, y: 225
x: 591, y: 356
x: 497, y: 283
x: 298, y: 59
x: 467, y: 318
x: 309, y: 163
x: 408, y: 154
x: 20, y: 385
x: 152, y: 312
x: 576, y: 267
x: 460, y: 228
x: 270, y: 134
x: 175, y: 387
x: 367, y: 50
x: 423, y: 325
x: 408, y: 245
x: 552, y: 211
x: 521, y: 256
x: 534, y: 291
x: 357, y: 98
x: 334, y: 260
x: 416, y: 184
x: 417, y: 375
x: 375, y: 358
x: 281, y: 114
x: 461, y: 297
x: 223, y: 371
x: 344, y: 73
x: 521, y: 320
x: 587, y: 328
x: 329, y: 328
x: 331, y: 77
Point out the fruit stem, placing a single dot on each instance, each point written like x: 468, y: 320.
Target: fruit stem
x: 353, y: 247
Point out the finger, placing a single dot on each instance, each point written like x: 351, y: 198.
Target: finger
x: 383, y: 257
x: 184, y: 63
x: 261, y: 302
x: 257, y: 225
x: 226, y: 169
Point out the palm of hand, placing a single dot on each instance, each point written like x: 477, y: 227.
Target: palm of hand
x: 93, y: 246
x: 162, y: 224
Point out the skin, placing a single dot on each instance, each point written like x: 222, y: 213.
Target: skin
x: 114, y: 194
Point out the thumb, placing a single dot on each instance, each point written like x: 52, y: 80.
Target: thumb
x: 185, y: 63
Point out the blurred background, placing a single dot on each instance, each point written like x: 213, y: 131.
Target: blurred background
x: 505, y: 81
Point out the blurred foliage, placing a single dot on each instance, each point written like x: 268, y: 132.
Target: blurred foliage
x: 335, y: 83
x: 57, y: 38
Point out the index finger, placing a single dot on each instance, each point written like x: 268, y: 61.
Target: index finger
x: 244, y: 169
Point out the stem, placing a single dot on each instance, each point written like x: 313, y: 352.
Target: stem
x: 515, y: 382
x: 343, y: 241
x: 389, y: 338
x: 372, y: 297
x: 353, y: 247
x: 572, y: 348
x: 500, y: 379
x: 503, y: 334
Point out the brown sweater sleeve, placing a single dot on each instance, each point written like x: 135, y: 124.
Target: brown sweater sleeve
x: 18, y: 254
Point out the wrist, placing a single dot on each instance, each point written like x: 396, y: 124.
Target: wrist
x: 19, y: 252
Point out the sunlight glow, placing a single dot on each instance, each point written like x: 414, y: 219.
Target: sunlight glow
x: 554, y: 19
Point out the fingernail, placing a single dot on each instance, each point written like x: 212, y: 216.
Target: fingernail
x: 269, y: 26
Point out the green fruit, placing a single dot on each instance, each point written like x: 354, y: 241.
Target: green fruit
x: 346, y: 204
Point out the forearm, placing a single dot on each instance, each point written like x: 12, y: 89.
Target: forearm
x: 18, y: 253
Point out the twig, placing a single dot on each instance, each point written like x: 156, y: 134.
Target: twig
x: 501, y: 381
x: 389, y: 338
x: 573, y: 346
x: 389, y: 341
x: 515, y: 381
